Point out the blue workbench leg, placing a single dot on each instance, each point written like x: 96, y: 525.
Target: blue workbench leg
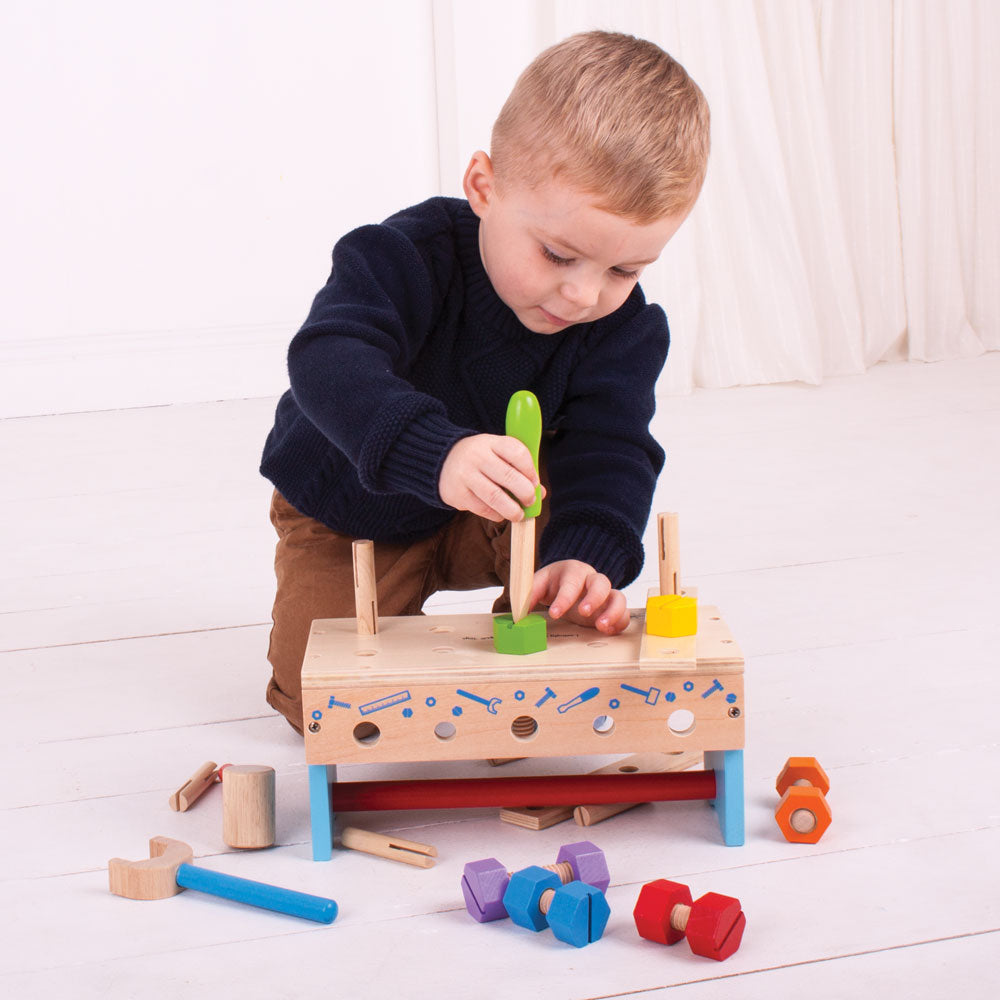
x: 321, y: 809
x: 728, y: 801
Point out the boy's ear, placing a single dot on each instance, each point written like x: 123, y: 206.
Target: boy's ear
x: 479, y: 183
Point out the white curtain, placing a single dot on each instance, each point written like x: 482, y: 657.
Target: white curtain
x: 852, y: 210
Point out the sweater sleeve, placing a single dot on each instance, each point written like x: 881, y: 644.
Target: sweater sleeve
x: 602, y: 461
x: 348, y: 363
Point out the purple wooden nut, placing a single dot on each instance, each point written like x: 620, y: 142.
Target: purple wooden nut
x: 588, y: 863
x: 483, y: 885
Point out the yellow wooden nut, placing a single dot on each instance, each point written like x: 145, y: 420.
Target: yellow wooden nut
x: 672, y: 615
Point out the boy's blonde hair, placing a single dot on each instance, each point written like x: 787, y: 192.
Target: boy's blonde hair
x: 613, y: 115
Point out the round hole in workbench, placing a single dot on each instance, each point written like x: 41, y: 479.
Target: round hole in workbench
x: 604, y: 725
x: 443, y: 649
x: 441, y: 628
x: 628, y: 769
x: 366, y: 734
x: 597, y: 642
x: 445, y: 731
x: 364, y: 652
x: 523, y: 727
x: 681, y: 722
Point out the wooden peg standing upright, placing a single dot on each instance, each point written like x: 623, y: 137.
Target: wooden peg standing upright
x: 668, y: 536
x: 365, y: 595
x: 248, y: 805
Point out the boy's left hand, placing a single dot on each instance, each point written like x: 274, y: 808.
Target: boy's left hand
x: 575, y: 590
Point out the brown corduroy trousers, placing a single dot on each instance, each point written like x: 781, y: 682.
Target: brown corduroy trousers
x: 315, y: 579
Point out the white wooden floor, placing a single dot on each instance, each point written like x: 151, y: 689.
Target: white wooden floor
x: 850, y: 535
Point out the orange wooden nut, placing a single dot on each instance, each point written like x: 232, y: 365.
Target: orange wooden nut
x: 802, y: 769
x: 803, y: 814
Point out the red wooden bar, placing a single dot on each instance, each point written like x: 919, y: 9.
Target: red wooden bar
x: 545, y: 790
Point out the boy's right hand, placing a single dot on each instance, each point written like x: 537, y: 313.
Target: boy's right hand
x: 481, y: 472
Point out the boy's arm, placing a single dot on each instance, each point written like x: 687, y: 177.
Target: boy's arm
x: 602, y: 461
x: 364, y: 327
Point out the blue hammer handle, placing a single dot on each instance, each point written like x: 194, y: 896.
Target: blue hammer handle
x: 268, y: 897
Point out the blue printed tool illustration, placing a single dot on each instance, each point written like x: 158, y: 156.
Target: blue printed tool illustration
x: 580, y: 699
x: 651, y: 695
x: 716, y: 686
x: 387, y: 702
x: 490, y: 703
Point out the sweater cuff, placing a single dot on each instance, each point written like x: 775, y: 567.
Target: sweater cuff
x: 413, y: 462
x: 593, y: 546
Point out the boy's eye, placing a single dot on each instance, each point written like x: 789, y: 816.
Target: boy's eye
x: 552, y: 256
x: 620, y: 272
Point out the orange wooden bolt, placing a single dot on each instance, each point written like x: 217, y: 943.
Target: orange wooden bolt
x: 803, y: 814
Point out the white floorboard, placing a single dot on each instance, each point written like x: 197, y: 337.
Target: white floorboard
x: 848, y: 532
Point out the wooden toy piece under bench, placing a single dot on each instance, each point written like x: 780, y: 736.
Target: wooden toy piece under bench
x: 541, y: 818
x: 169, y: 869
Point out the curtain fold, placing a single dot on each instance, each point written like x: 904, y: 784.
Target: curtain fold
x: 851, y: 212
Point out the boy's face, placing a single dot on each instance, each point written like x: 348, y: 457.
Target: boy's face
x: 552, y: 255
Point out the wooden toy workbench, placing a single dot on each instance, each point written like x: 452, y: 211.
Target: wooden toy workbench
x: 429, y: 688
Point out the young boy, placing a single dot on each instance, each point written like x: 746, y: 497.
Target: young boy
x: 393, y: 428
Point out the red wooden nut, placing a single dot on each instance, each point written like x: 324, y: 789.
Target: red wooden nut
x: 713, y: 924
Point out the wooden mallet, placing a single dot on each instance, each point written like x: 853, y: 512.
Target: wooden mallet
x: 168, y: 869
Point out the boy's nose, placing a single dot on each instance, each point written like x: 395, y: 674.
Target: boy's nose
x: 582, y: 294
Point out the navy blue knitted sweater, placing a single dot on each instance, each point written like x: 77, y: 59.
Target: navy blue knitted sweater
x: 408, y: 348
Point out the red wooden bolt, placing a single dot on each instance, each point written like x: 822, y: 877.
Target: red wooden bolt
x: 712, y: 924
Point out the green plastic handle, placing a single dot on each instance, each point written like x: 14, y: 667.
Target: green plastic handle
x: 524, y: 422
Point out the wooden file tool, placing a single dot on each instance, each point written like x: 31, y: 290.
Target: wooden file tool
x: 524, y: 422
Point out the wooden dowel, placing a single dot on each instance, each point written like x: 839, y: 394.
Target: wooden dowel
x: 196, y: 785
x: 409, y: 852
x: 668, y: 535
x: 522, y: 566
x: 365, y: 596
x: 248, y: 805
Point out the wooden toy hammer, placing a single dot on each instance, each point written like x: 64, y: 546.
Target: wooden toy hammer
x: 168, y: 869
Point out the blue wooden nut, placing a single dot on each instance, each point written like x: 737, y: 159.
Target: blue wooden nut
x: 578, y: 914
x: 523, y: 895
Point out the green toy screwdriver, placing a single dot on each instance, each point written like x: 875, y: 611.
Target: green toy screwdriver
x: 524, y: 422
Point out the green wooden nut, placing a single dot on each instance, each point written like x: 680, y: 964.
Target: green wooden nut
x: 520, y: 638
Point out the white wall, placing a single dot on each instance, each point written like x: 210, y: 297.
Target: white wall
x: 175, y: 175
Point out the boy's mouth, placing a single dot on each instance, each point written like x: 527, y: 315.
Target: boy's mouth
x: 554, y: 320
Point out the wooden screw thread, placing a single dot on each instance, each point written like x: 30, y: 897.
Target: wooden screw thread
x: 668, y: 534
x: 561, y: 868
x: 545, y: 900
x: 365, y: 596
x: 803, y: 820
x: 679, y: 917
x: 523, y: 727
